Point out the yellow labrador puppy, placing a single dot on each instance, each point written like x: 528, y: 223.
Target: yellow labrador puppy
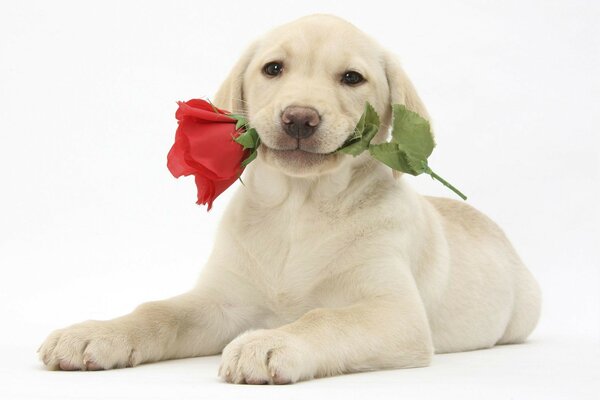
x: 324, y: 263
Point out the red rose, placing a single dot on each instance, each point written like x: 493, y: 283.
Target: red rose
x: 205, y: 147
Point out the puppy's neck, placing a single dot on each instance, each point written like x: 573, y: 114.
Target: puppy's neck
x: 271, y: 187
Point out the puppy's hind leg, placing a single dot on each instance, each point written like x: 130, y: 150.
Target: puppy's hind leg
x: 526, y: 309
x: 192, y: 324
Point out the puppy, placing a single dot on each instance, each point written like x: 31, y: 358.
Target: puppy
x: 324, y: 264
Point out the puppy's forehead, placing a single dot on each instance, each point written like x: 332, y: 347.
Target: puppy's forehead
x: 318, y: 36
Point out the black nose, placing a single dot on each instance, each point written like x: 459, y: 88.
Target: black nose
x: 300, y: 122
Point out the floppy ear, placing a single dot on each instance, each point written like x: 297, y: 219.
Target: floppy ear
x: 230, y: 95
x: 402, y: 90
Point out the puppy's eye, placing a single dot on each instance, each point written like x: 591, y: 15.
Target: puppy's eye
x: 352, y: 78
x: 273, y: 68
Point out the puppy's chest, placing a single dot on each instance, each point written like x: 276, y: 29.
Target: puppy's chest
x: 292, y: 255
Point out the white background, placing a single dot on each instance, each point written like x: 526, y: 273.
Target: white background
x: 92, y: 223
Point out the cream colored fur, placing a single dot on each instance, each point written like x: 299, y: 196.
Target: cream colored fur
x: 324, y: 264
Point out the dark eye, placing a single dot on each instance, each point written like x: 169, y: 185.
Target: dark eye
x: 273, y: 68
x: 352, y: 78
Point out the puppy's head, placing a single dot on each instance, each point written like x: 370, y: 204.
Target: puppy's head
x: 303, y: 87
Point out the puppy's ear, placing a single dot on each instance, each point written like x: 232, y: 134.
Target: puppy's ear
x: 230, y: 95
x: 402, y: 90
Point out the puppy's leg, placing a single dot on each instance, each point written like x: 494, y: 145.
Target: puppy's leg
x: 372, y: 334
x: 188, y: 325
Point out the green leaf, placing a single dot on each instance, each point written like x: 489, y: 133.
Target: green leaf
x: 413, y: 133
x: 393, y: 156
x: 248, y: 139
x: 366, y: 129
x: 241, y: 121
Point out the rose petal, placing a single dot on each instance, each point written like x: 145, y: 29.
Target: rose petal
x: 206, y: 190
x: 209, y: 190
x: 204, y: 147
x: 176, y: 159
x: 204, y: 105
x: 210, y: 147
x: 203, y: 113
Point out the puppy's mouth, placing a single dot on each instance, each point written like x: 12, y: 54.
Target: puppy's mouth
x: 299, y: 146
x: 298, y: 161
x: 301, y: 157
x: 297, y: 153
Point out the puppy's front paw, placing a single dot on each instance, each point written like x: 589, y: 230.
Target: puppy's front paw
x: 89, y: 346
x: 267, y: 356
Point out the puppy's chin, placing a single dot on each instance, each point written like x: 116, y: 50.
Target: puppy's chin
x: 300, y: 163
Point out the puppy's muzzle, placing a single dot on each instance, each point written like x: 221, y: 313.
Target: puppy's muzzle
x: 300, y: 122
